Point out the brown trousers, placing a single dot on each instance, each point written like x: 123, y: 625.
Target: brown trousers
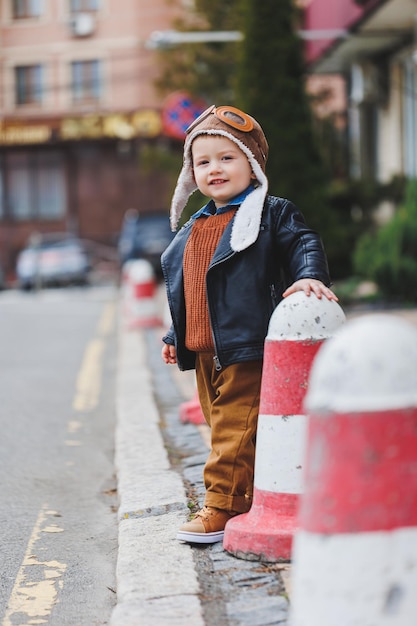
x: 230, y: 403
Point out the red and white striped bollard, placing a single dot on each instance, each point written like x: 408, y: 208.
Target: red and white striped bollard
x: 355, y: 553
x: 141, y: 304
x: 297, y: 329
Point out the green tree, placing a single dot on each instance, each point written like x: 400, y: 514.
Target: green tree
x: 270, y: 86
x: 206, y: 69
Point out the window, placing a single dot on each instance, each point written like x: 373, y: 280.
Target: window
x: 1, y: 190
x: 34, y: 185
x: 86, y: 82
x: 29, y: 84
x: 410, y: 118
x: 84, y: 5
x: 369, y: 140
x: 19, y: 186
x: 26, y: 8
x: 51, y: 186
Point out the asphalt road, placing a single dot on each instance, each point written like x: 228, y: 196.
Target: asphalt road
x: 58, y: 539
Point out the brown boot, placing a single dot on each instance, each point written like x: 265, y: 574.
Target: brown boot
x: 207, y: 526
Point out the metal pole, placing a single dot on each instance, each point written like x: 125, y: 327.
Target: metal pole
x: 160, y: 39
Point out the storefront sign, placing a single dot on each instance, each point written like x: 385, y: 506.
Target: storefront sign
x: 115, y: 125
x: 147, y: 123
x: 21, y: 134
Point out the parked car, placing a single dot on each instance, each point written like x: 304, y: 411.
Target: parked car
x: 144, y: 237
x: 53, y: 259
x: 2, y: 279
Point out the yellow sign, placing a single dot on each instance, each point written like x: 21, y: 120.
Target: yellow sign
x: 147, y: 123
x: 88, y: 127
x: 12, y: 135
x: 115, y: 125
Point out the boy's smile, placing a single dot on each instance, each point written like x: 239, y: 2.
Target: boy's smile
x: 221, y: 170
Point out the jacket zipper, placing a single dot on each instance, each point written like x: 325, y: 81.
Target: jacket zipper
x: 273, y: 295
x: 218, y: 366
x: 217, y: 363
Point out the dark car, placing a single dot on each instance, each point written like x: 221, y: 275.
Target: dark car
x: 144, y: 237
x: 54, y: 259
x: 2, y: 279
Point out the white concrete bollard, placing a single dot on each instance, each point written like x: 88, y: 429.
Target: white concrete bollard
x: 140, y: 295
x: 124, y: 272
x: 355, y: 553
x: 297, y: 329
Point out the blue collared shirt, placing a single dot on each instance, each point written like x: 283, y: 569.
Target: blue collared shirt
x: 210, y: 208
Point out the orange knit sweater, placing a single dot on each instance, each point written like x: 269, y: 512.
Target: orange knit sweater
x: 202, y: 242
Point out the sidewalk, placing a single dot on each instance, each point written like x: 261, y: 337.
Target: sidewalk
x: 161, y: 581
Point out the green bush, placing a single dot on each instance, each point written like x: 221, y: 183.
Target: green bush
x: 389, y: 257
x: 352, y: 204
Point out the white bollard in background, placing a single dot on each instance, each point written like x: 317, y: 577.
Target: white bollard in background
x: 297, y: 329
x: 355, y: 553
x: 139, y: 295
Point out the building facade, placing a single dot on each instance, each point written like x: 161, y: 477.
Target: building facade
x: 77, y: 106
x: 373, y: 44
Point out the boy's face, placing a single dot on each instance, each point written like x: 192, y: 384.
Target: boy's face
x: 221, y: 170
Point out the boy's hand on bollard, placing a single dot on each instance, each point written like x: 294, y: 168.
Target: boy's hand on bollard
x: 311, y: 285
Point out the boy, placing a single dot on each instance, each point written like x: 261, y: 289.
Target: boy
x: 225, y: 273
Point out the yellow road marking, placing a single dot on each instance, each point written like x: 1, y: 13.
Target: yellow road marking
x: 106, y: 322
x: 33, y: 597
x: 52, y: 529
x: 88, y: 383
x: 89, y: 377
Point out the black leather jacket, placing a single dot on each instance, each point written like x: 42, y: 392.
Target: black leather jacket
x: 243, y: 288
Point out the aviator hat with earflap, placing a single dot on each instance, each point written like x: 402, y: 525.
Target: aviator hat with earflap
x: 248, y: 135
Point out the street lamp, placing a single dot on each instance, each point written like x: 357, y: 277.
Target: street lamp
x: 160, y: 39
x: 169, y: 38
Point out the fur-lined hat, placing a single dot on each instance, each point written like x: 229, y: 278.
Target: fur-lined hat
x: 248, y: 135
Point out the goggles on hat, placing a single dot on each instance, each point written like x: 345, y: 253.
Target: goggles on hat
x: 235, y: 118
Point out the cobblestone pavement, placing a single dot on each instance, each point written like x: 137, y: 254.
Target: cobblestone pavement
x: 234, y: 592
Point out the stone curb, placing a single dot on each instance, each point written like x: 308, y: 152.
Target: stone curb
x: 150, y: 592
